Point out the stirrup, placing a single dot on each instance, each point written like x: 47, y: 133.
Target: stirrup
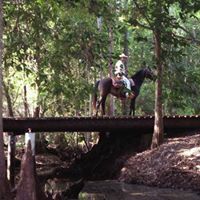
x: 130, y: 95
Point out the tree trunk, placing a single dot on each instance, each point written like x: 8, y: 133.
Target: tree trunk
x: 11, y: 159
x: 8, y: 99
x: 40, y: 145
x: 39, y: 138
x: 25, y: 102
x: 11, y: 140
x: 158, y: 123
x: 125, y: 104
x: 111, y: 107
x: 28, y: 186
x: 4, y: 189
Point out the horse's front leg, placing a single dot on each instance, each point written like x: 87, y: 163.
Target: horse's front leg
x: 103, y: 105
x: 132, y: 107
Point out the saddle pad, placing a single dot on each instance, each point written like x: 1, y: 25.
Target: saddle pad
x: 132, y: 82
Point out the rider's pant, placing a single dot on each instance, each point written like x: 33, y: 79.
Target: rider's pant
x: 127, y: 82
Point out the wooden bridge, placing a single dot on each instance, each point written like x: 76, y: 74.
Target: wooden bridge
x: 136, y: 124
x: 173, y: 126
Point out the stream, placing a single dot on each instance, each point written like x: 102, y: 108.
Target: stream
x: 114, y: 190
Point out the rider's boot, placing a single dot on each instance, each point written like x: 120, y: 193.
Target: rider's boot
x: 130, y: 95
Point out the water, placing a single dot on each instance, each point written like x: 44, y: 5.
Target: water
x: 114, y: 190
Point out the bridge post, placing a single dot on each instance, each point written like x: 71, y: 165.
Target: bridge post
x: 11, y: 159
x: 30, y: 136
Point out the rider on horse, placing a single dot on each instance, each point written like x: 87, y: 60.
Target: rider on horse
x: 120, y: 74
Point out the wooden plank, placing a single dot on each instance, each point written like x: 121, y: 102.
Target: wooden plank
x: 138, y: 124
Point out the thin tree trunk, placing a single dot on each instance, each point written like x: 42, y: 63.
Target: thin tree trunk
x: 4, y: 187
x: 158, y: 123
x: 125, y: 104
x: 111, y: 107
x: 8, y: 98
x: 26, y: 188
x: 11, y: 159
x: 39, y: 138
x: 25, y: 102
x: 11, y: 141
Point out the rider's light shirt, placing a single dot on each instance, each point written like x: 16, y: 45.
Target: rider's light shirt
x: 119, y: 68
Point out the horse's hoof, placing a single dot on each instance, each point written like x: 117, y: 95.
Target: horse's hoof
x: 95, y: 114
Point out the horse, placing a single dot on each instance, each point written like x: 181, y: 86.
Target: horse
x: 105, y: 86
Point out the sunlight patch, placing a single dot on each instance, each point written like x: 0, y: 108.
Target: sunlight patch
x: 190, y: 152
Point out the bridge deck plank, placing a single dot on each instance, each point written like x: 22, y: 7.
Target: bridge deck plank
x: 136, y: 124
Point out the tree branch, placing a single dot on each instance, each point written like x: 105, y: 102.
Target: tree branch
x: 192, y: 39
x: 144, y: 15
x: 136, y: 23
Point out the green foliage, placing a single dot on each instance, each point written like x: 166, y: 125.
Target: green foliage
x: 56, y: 49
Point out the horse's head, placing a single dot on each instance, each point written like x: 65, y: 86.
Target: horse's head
x: 148, y: 73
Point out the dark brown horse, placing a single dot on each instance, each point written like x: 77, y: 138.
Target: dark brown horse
x: 105, y: 87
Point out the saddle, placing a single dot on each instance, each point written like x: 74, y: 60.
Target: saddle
x: 119, y: 83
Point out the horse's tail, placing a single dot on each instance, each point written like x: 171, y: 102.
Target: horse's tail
x: 94, y: 98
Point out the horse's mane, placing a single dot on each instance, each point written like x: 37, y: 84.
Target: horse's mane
x: 137, y: 74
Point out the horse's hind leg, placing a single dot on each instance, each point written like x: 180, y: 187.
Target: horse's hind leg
x: 103, y: 105
x: 97, y: 107
x: 99, y: 103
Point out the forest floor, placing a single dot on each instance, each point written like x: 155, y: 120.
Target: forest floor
x: 175, y: 164
x: 170, y: 172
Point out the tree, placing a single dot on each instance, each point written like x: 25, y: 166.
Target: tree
x: 164, y: 24
x: 158, y: 134
x: 4, y: 189
x: 157, y: 16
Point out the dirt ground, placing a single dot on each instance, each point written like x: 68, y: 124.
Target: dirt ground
x: 170, y: 172
x: 175, y: 164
